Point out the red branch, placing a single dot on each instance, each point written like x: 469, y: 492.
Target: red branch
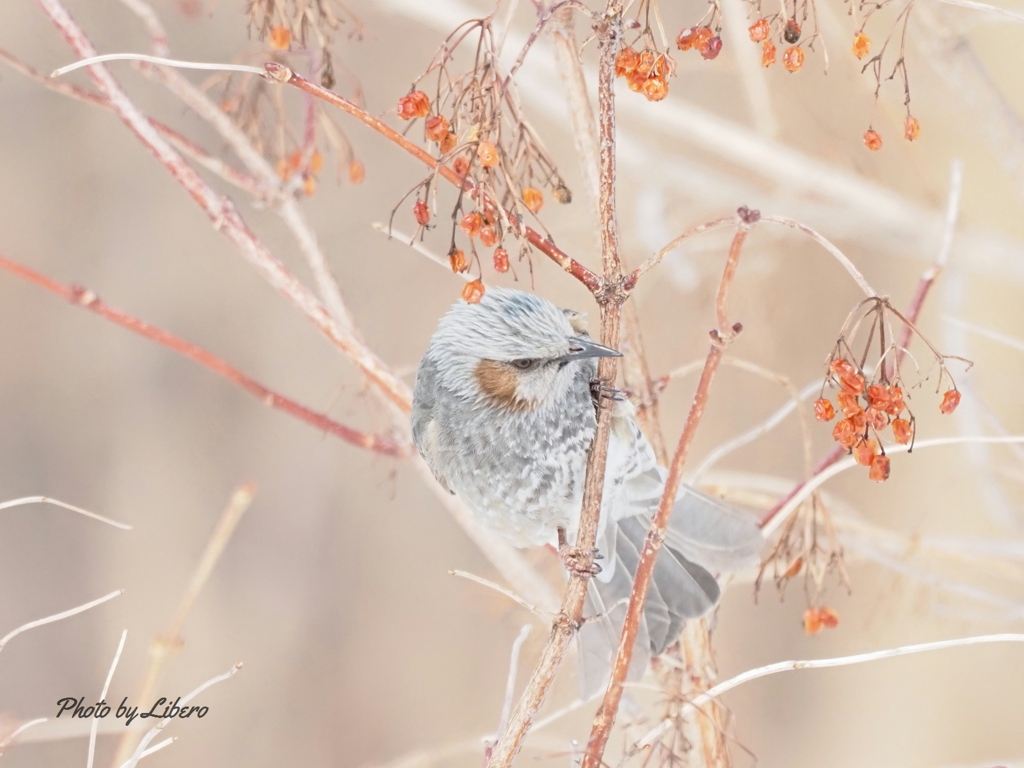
x: 605, y: 718
x: 282, y: 74
x: 83, y: 297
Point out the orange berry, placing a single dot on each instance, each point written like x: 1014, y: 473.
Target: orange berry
x: 655, y: 89
x: 865, y: 451
x: 849, y: 403
x: 663, y: 66
x: 878, y: 397
x: 860, y: 420
x: 645, y: 65
x: 794, y: 568
x: 533, y: 198
x: 488, y: 154
x: 877, y: 419
x: 791, y: 33
x: 501, y: 260
x: 460, y: 166
x: 759, y: 30
x: 896, y: 404
x: 861, y: 45
x: 448, y: 142
x: 845, y: 433
x: 415, y: 104
x: 280, y: 37
x: 872, y: 140
x: 635, y: 80
x: 829, y: 617
x: 767, y: 53
x: 879, y: 471
x: 793, y: 58
x: 626, y: 62
x: 823, y: 409
x: 356, y: 172
x: 902, y: 431
x: 308, y: 185
x: 852, y: 382
x: 471, y: 224
x: 436, y: 127
x: 473, y: 291
x: 711, y: 48
x: 316, y: 162
x: 421, y: 212
x: 840, y: 366
x: 950, y: 401
x: 684, y: 41
x: 562, y: 194
x: 812, y: 621
x: 488, y: 237
x: 701, y: 35
x: 457, y: 259
x: 911, y: 128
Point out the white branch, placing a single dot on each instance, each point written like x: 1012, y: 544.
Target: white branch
x: 57, y: 617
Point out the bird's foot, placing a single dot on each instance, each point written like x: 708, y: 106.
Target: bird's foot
x: 577, y: 561
x: 601, y: 391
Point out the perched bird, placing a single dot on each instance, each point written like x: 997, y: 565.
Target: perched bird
x: 504, y: 413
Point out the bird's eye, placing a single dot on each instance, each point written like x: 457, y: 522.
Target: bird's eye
x: 524, y: 363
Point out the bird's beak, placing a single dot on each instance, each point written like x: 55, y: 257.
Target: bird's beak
x: 581, y: 348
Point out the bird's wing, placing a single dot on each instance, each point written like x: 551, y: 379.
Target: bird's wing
x: 424, y: 424
x: 703, y: 529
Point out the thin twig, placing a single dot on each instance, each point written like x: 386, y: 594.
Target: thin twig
x: 63, y: 505
x: 841, y: 661
x: 83, y: 297
x: 18, y: 731
x: 103, y: 697
x: 156, y: 729
x: 58, y: 616
x: 161, y: 648
x: 605, y: 718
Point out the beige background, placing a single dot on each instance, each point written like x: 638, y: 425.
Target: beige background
x: 358, y: 647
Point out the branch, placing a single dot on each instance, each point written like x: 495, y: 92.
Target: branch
x: 282, y: 74
x: 721, y: 336
x: 840, y: 661
x: 163, y: 646
x: 225, y: 218
x: 62, y: 505
x: 83, y: 297
x: 609, y: 297
x: 58, y: 616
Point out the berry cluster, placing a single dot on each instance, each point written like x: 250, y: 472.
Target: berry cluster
x: 646, y: 72
x: 703, y: 40
x: 793, y: 57
x: 817, y: 619
x: 870, y: 409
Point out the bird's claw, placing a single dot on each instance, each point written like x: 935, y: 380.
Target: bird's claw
x: 602, y: 391
x: 576, y: 560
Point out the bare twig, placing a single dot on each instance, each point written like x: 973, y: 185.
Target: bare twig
x: 83, y: 297
x: 161, y: 648
x: 103, y: 697
x: 841, y: 661
x: 18, y: 731
x: 610, y: 299
x: 153, y: 732
x: 605, y: 718
x: 63, y: 505
x: 58, y: 616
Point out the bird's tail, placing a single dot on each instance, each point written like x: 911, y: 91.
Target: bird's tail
x: 704, y: 536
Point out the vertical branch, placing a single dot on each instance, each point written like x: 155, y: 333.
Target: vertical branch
x: 609, y: 295
x: 720, y: 337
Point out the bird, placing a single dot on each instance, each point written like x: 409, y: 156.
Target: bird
x: 504, y: 412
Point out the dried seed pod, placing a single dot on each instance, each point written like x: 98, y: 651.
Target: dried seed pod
x: 767, y: 53
x: 457, y: 259
x: 879, y: 471
x: 950, y: 401
x: 501, y: 260
x: 872, y: 140
x: 533, y: 198
x: 436, y: 127
x: 861, y: 45
x: 793, y: 58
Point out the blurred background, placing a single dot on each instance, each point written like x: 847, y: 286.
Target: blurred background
x: 359, y: 647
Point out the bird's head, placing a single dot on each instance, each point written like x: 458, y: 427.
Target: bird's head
x: 513, y: 350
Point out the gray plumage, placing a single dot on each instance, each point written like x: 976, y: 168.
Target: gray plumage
x: 504, y: 416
